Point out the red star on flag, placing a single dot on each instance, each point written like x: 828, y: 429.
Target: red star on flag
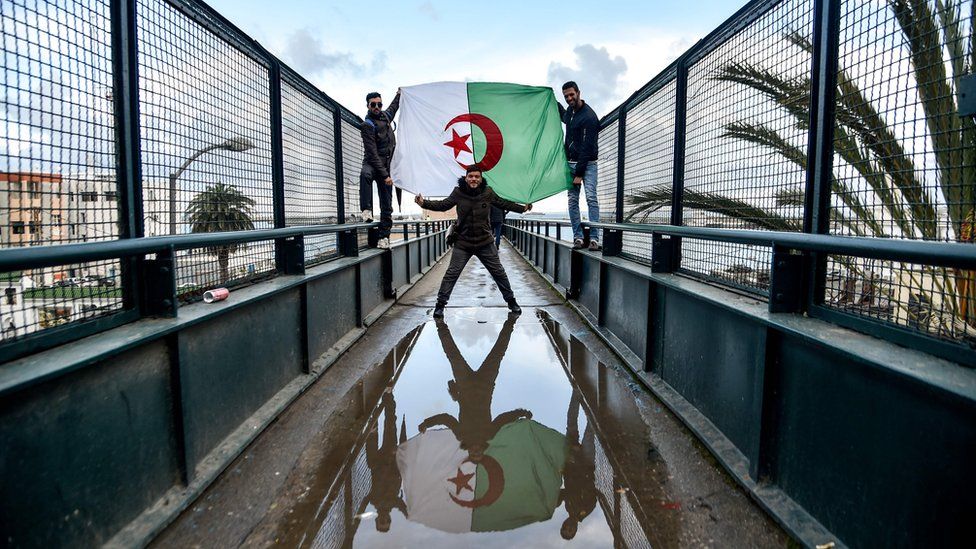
x: 458, y: 143
x: 461, y: 481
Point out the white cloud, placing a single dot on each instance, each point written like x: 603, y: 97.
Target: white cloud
x: 307, y: 54
x: 598, y: 74
x: 429, y: 10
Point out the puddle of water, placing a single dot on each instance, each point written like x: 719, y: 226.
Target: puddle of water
x: 490, y: 431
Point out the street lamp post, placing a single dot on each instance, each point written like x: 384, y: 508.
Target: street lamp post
x: 234, y: 144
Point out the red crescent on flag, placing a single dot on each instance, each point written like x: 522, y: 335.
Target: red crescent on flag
x: 493, y: 136
x: 496, y: 484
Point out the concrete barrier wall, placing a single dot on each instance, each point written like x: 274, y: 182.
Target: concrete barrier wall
x: 841, y: 436
x: 106, y: 439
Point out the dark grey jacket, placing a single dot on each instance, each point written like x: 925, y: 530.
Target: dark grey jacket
x: 379, y: 140
x: 474, y: 213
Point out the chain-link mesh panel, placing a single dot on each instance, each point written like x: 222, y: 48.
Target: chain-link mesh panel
x: 746, y: 135
x: 37, y: 299
x: 310, y: 171
x: 332, y: 533
x: 58, y: 181
x: 206, y: 142
x: 603, y: 472
x: 362, y: 481
x: 742, y: 266
x: 352, y: 166
x: 606, y: 182
x: 648, y: 167
x: 631, y: 531
x: 905, y: 161
x: 201, y: 269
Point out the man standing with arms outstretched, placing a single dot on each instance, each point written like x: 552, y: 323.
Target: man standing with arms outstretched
x: 582, y: 131
x: 378, y: 145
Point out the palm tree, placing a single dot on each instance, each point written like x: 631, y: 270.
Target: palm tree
x: 220, y: 208
x: 865, y: 142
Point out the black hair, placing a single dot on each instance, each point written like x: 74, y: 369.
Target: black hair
x: 372, y: 95
x: 570, y: 84
x: 473, y: 168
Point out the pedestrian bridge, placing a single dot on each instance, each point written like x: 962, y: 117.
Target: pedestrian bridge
x: 774, y: 346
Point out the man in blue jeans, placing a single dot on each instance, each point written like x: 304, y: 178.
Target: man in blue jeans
x: 582, y: 131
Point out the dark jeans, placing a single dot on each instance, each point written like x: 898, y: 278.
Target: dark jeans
x: 496, y: 228
x: 386, y: 199
x: 489, y: 258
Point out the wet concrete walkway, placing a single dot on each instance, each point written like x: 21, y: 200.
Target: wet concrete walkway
x: 483, y: 430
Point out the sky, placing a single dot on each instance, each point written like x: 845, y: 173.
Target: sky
x: 347, y: 49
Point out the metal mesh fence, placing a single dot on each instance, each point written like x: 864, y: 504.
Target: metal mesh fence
x: 904, y: 161
x: 362, y: 481
x: 58, y: 181
x: 745, y: 137
x: 606, y: 183
x: 309, y: 166
x: 630, y: 526
x: 352, y: 166
x: 206, y: 143
x: 333, y: 531
x: 33, y: 300
x: 649, y: 167
x: 603, y: 472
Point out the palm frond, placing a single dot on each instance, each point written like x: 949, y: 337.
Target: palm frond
x: 791, y: 197
x: 647, y: 201
x: 921, y: 31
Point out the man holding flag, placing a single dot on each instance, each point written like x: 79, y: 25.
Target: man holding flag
x: 378, y: 146
x: 582, y: 131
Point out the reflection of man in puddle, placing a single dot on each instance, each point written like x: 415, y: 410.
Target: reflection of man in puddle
x: 579, y: 489
x: 384, y: 492
x: 472, y: 390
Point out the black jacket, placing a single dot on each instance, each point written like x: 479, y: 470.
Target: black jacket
x: 379, y: 141
x: 474, y: 213
x: 582, y: 132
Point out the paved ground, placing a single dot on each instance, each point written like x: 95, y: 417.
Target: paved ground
x: 279, y: 482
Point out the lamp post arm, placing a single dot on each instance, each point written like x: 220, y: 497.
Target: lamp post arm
x: 176, y: 175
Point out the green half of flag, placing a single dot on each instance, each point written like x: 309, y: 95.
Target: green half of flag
x: 532, y: 164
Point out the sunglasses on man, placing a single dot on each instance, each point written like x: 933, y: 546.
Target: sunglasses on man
x: 377, y: 104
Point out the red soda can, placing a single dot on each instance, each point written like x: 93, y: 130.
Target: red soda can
x: 217, y: 294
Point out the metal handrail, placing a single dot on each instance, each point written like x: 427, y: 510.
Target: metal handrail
x: 942, y: 254
x: 12, y: 259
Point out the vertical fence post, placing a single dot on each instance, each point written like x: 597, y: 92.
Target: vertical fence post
x: 125, y: 104
x: 613, y: 239
x: 286, y: 250
x: 621, y: 162
x: 678, y: 181
x: 820, y: 146
x: 340, y: 190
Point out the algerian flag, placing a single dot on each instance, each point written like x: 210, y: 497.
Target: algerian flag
x: 516, y: 483
x: 512, y: 131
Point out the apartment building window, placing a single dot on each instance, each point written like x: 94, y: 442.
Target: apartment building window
x: 34, y: 188
x: 111, y: 196
x: 15, y: 186
x: 35, y: 226
x: 56, y: 220
x: 89, y: 197
x: 11, y: 296
x: 18, y: 227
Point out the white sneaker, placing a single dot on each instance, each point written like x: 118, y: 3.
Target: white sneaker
x: 383, y: 243
x: 367, y: 215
